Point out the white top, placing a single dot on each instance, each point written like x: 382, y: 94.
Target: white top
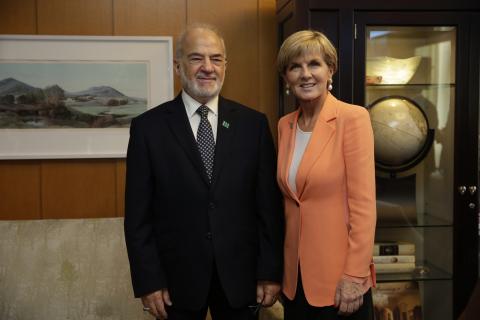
x: 301, y: 142
x: 192, y: 105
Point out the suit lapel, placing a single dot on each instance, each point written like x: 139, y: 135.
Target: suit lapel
x: 226, y: 128
x: 180, y: 126
x: 321, y: 135
x: 290, y: 144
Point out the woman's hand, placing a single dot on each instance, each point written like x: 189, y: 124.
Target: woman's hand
x: 348, y: 297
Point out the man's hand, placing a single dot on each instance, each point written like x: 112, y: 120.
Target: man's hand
x: 156, y: 301
x: 348, y: 297
x: 267, y: 292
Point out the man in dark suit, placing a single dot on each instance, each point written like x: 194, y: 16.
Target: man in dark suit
x: 203, y: 215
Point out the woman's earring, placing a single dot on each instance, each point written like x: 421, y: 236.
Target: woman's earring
x: 287, y: 90
x: 330, y: 85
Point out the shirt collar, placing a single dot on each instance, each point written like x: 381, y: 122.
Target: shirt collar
x: 191, y: 105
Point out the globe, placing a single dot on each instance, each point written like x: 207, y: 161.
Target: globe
x: 400, y: 131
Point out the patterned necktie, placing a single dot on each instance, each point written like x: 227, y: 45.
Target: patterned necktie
x: 205, y: 141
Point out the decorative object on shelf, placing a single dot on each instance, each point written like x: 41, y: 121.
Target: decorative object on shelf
x: 397, y: 300
x: 399, y: 267
x: 397, y: 263
x: 401, y: 132
x: 74, y: 96
x: 373, y: 79
x: 394, y: 257
x: 388, y: 70
x: 393, y: 248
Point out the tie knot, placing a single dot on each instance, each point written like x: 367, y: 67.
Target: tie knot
x: 203, y: 111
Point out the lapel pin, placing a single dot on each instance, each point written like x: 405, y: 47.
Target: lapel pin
x: 225, y: 124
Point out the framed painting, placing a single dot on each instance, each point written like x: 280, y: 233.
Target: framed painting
x: 74, y: 96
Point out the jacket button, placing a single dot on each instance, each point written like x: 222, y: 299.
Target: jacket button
x: 208, y: 236
x: 211, y: 205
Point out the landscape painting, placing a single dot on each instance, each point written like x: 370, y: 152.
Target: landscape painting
x: 71, y: 94
x: 70, y: 97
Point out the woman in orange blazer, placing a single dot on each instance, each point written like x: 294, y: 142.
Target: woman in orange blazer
x: 327, y: 175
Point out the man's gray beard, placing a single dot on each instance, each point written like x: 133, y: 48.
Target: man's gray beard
x: 192, y: 89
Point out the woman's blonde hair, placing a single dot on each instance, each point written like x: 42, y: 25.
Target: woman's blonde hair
x: 304, y: 42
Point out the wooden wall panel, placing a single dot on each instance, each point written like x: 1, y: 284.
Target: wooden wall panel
x: 19, y: 190
x: 150, y: 18
x: 238, y: 23
x: 75, y: 17
x: 18, y: 17
x: 268, y: 79
x: 121, y: 169
x: 78, y: 188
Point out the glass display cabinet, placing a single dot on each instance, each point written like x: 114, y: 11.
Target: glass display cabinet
x: 416, y: 70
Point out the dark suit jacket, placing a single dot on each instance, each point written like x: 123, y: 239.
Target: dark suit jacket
x: 177, y: 224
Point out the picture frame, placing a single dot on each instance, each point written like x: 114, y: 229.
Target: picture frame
x: 80, y: 61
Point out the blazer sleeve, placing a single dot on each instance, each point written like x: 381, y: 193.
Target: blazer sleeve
x: 269, y: 210
x: 360, y: 181
x: 145, y: 266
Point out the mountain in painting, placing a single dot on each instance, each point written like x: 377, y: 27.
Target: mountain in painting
x: 11, y: 86
x: 15, y: 87
x: 100, y: 91
x: 54, y: 91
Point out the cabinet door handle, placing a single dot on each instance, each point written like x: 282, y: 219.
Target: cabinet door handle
x: 462, y: 190
x: 472, y: 190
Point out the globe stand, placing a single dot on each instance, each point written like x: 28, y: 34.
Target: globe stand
x: 396, y: 196
x: 396, y: 200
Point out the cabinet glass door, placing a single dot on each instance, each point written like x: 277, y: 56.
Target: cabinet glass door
x: 410, y: 94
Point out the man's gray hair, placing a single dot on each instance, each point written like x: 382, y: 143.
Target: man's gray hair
x: 181, y: 39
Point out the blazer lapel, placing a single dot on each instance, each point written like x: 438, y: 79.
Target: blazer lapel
x: 290, y: 144
x: 226, y: 128
x: 180, y: 126
x: 321, y: 135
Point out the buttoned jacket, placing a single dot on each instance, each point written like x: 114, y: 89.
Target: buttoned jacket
x: 330, y: 220
x: 179, y: 227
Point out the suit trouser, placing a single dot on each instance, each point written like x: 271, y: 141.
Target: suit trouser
x: 217, y: 302
x: 299, y: 309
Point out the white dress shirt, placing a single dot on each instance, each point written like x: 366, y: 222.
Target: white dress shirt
x: 191, y: 107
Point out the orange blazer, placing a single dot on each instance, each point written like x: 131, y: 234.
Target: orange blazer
x: 330, y: 221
